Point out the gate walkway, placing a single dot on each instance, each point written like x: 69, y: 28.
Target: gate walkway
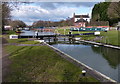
x: 52, y: 35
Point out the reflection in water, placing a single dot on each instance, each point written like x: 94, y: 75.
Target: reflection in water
x: 111, y: 55
x: 102, y: 59
x: 33, y: 33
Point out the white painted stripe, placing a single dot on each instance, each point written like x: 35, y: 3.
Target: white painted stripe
x: 111, y: 46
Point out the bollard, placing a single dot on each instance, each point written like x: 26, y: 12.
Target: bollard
x: 64, y: 39
x: 54, y: 39
x: 37, y: 35
x: 49, y: 39
x: 83, y: 73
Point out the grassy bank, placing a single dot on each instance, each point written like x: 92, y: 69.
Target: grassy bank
x: 66, y: 31
x: 85, y: 37
x: 20, y: 41
x: 8, y: 32
x: 110, y: 37
x: 40, y: 64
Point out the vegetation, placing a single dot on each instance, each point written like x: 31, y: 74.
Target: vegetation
x: 106, y: 11
x: 17, y: 23
x: 22, y: 41
x: 66, y: 31
x: 84, y: 37
x: 5, y: 14
x: 67, y: 22
x: 40, y: 64
x: 101, y: 14
x: 9, y: 32
x: 110, y: 37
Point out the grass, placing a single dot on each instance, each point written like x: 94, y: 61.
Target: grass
x: 41, y: 64
x: 83, y: 37
x: 66, y: 31
x: 22, y: 41
x: 9, y: 32
x: 110, y: 37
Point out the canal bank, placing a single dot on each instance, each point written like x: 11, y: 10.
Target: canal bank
x: 103, y: 78
x: 39, y: 63
x: 101, y: 44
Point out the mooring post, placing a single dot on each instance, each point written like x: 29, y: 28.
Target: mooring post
x: 83, y: 73
x: 49, y: 39
x: 37, y: 35
x: 41, y: 38
x: 70, y: 36
x: 64, y: 38
x: 70, y: 33
x: 55, y: 38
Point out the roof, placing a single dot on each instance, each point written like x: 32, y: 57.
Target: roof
x: 83, y: 16
x: 81, y: 20
x: 97, y: 26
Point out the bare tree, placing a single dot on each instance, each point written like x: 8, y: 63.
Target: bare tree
x: 114, y: 9
x: 6, y: 9
x: 5, y: 14
x: 17, y: 23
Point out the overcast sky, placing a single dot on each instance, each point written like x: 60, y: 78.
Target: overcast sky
x: 53, y: 11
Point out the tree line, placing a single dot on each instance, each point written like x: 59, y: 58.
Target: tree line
x: 40, y: 23
x: 107, y: 11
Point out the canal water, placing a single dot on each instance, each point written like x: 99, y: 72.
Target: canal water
x: 26, y: 33
x: 102, y: 59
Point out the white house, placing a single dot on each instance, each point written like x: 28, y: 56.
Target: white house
x: 81, y: 20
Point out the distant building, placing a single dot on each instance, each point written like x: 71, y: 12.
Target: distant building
x: 7, y: 27
x: 80, y: 20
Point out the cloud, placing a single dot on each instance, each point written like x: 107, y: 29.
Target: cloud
x: 30, y: 13
x: 54, y: 11
x: 53, y: 5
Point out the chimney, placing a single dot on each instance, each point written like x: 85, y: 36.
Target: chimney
x: 74, y: 14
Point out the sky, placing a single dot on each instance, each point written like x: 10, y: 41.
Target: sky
x: 50, y: 11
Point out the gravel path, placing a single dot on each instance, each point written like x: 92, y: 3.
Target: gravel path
x: 5, y: 63
x: 5, y: 56
x: 17, y: 44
